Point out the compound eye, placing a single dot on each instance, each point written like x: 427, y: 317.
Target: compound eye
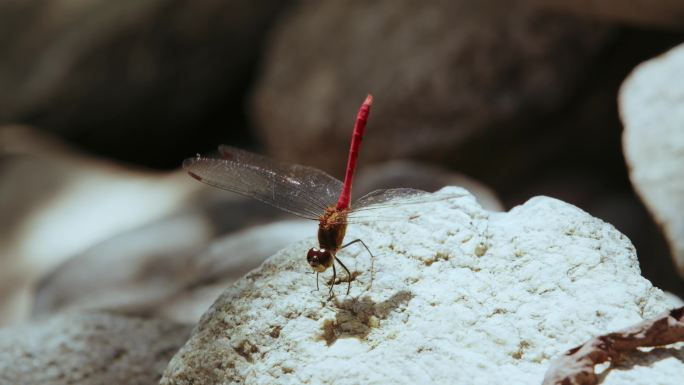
x: 318, y: 259
x: 313, y: 256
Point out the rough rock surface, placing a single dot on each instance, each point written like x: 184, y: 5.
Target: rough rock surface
x: 652, y: 110
x: 460, y: 295
x: 445, y: 75
x: 88, y: 349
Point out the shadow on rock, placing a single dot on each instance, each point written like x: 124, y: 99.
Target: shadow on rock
x: 356, y: 317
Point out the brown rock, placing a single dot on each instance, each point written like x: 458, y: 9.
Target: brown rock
x: 444, y: 75
x: 127, y: 78
x: 653, y: 13
x: 404, y: 173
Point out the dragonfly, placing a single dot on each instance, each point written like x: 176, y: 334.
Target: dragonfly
x: 306, y: 192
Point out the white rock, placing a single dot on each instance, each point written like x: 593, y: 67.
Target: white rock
x: 56, y: 203
x: 460, y: 296
x: 88, y: 349
x: 652, y: 111
x: 173, y: 268
x: 226, y: 260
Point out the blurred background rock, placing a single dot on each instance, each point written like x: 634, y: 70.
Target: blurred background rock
x: 102, y: 101
x: 118, y: 77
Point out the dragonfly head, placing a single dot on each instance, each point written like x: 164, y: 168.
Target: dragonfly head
x: 319, y: 260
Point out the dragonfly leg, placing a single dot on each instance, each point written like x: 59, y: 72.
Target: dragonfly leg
x: 349, y: 276
x: 317, y: 288
x: 332, y: 284
x: 369, y: 252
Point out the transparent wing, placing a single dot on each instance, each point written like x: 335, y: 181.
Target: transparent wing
x: 365, y: 209
x: 300, y: 190
x: 380, y: 198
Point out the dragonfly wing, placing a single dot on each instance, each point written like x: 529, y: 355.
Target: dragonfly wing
x: 363, y: 209
x: 382, y: 197
x: 300, y: 190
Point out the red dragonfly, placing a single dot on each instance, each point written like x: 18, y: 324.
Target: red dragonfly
x: 306, y: 192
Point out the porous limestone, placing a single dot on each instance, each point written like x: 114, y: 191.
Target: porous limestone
x: 459, y: 295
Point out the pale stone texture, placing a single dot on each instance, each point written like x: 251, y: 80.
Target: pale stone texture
x: 652, y: 111
x: 460, y: 295
x: 88, y: 349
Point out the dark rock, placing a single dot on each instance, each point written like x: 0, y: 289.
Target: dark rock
x: 667, y: 14
x: 446, y: 76
x: 131, y: 79
x: 405, y: 173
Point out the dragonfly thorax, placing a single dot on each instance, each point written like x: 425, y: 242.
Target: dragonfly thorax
x: 331, y: 229
x: 332, y: 216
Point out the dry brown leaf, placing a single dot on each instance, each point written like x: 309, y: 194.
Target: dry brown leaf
x: 576, y: 367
